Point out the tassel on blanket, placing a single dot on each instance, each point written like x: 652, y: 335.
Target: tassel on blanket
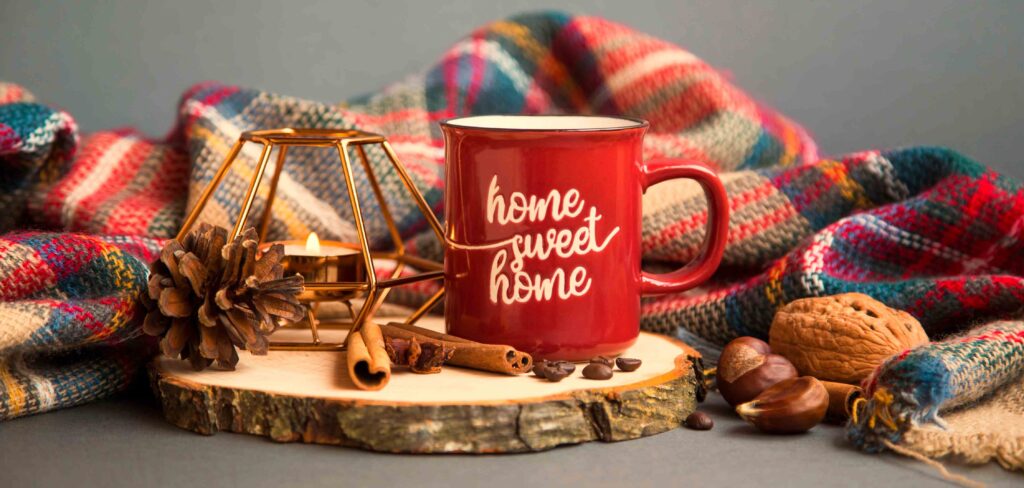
x: 982, y: 369
x: 877, y: 415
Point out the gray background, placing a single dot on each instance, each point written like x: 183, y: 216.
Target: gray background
x: 858, y: 74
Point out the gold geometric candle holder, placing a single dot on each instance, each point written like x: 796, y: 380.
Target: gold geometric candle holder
x: 345, y: 277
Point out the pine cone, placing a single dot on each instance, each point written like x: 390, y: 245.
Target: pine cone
x: 207, y: 296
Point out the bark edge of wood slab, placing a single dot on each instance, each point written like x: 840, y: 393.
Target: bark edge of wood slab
x: 616, y: 413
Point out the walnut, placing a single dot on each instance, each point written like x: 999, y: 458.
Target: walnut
x: 842, y: 337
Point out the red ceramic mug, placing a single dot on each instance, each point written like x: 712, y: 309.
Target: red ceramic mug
x: 543, y: 221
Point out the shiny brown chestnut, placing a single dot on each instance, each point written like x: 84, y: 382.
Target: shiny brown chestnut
x: 747, y: 367
x: 789, y: 407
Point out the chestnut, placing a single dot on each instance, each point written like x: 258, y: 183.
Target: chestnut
x: 789, y: 407
x: 747, y: 367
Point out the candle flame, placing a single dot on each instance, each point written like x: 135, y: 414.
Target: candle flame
x: 313, y: 244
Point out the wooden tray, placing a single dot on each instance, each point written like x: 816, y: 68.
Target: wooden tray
x: 306, y: 396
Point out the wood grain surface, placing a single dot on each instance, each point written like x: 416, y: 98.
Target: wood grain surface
x: 292, y: 396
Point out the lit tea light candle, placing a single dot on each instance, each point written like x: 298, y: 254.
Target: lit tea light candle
x: 314, y: 248
x: 323, y: 262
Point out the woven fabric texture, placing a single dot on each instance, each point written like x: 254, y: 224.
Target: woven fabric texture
x: 909, y: 391
x: 36, y: 146
x: 922, y: 229
x: 988, y: 431
x: 68, y: 323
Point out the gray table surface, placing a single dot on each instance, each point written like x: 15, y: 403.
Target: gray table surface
x: 125, y: 442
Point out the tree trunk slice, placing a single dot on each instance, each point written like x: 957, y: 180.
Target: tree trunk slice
x: 292, y: 396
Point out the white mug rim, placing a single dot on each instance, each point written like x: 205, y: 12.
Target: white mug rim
x: 545, y: 123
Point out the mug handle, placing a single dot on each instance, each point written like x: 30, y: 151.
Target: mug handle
x: 716, y: 230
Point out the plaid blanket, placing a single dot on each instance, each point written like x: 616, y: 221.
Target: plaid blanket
x: 922, y: 229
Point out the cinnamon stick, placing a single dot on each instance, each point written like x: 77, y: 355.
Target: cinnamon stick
x: 496, y: 358
x: 840, y: 400
x: 368, y: 363
x: 432, y: 334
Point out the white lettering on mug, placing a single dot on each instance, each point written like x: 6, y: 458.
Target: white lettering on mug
x: 509, y: 281
x: 533, y: 209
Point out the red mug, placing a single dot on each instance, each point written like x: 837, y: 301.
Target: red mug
x: 543, y: 227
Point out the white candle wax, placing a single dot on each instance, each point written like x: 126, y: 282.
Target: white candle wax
x: 326, y: 249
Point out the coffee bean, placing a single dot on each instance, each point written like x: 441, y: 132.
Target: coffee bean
x: 597, y: 371
x: 604, y: 360
x: 541, y: 368
x: 628, y: 364
x: 566, y: 366
x: 699, y: 421
x: 555, y: 375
